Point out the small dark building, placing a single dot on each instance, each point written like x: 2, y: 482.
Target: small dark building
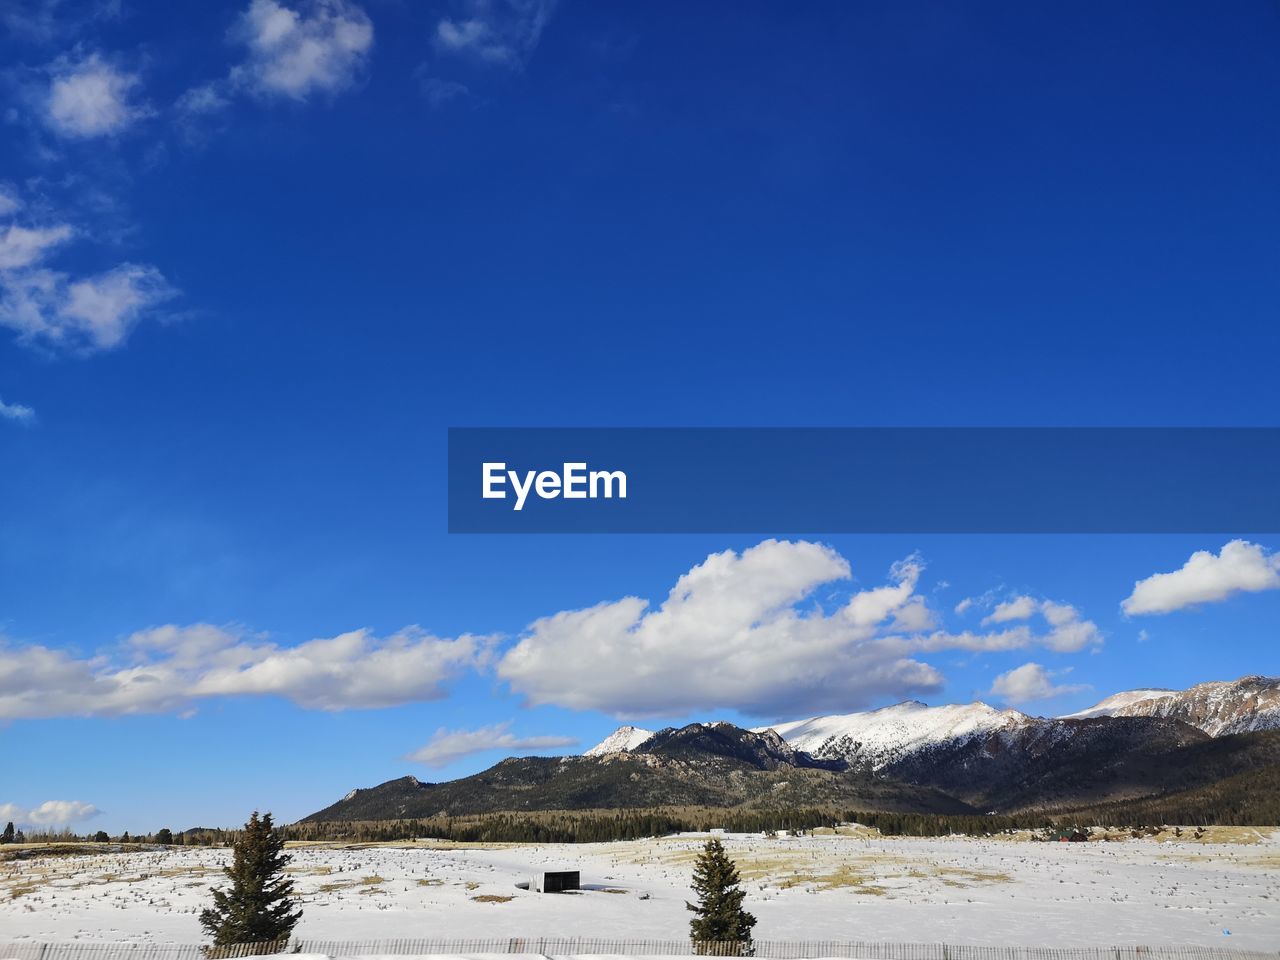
x: 555, y: 881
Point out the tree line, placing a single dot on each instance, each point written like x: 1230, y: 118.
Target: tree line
x: 571, y: 826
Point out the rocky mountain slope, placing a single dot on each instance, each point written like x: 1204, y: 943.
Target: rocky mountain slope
x: 879, y: 738
x: 1062, y: 764
x: 904, y: 758
x: 1218, y: 708
x: 698, y: 765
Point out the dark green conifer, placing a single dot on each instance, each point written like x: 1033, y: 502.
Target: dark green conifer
x: 719, y: 919
x: 259, y: 907
x: 7, y: 836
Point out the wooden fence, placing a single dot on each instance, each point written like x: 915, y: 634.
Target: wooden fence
x: 602, y: 946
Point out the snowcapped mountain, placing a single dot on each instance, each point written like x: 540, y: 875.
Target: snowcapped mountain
x: 1218, y: 708
x: 881, y: 737
x: 620, y: 741
x: 1117, y: 702
x: 961, y: 758
x: 911, y: 732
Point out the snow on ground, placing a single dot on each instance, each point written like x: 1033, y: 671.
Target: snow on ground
x: 860, y: 887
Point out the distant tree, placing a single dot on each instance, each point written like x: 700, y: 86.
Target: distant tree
x: 7, y: 836
x: 719, y: 918
x: 165, y: 836
x: 19, y: 837
x: 101, y: 837
x: 259, y: 907
x: 124, y: 837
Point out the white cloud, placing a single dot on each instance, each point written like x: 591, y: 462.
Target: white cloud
x: 80, y: 314
x: 51, y: 813
x: 504, y: 32
x: 204, y: 99
x: 103, y: 309
x: 1239, y: 567
x: 320, y: 46
x: 1068, y: 631
x: 91, y: 98
x: 1016, y: 638
x: 731, y: 633
x: 354, y: 670
x: 60, y: 813
x: 23, y: 246
x: 9, y: 204
x: 16, y: 412
x: 168, y: 669
x: 1019, y: 608
x: 1031, y: 682
x: 741, y: 631
x: 85, y: 315
x: 964, y: 605
x: 446, y: 746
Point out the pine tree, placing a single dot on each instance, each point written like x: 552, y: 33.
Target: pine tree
x: 7, y: 836
x: 259, y: 907
x: 164, y: 836
x: 720, y: 918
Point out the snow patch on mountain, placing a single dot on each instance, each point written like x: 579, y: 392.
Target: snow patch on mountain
x: 876, y: 739
x: 1219, y: 707
x: 620, y: 741
x: 880, y: 737
x: 1113, y: 704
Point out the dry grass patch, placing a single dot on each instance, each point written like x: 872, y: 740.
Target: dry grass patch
x: 334, y: 887
x: 491, y: 898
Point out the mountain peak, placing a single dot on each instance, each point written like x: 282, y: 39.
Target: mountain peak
x: 622, y: 740
x: 763, y: 749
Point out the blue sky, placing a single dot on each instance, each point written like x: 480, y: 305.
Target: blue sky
x: 256, y: 257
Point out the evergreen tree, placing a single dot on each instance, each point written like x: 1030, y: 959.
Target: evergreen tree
x: 164, y: 836
x: 101, y: 837
x: 7, y: 836
x: 719, y: 918
x: 259, y: 907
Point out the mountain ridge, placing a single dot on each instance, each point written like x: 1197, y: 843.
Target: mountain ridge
x: 878, y: 738
x: 1218, y: 707
x: 909, y: 758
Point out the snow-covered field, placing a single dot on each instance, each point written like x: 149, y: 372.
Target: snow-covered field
x: 859, y: 887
